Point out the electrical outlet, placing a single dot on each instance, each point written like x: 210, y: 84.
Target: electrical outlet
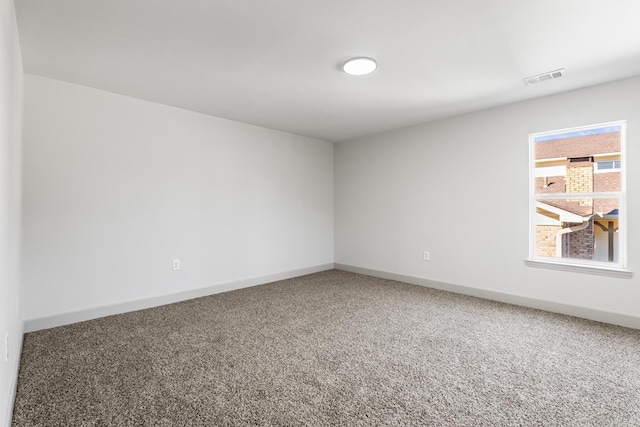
x: 426, y: 256
x: 176, y: 264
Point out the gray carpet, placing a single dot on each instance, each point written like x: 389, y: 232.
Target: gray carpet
x: 331, y: 349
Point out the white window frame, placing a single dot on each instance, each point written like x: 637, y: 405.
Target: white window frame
x: 614, y: 269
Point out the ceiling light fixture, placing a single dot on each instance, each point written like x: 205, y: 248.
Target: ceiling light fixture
x: 360, y: 66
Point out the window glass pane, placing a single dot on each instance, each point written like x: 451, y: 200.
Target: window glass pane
x: 583, y: 228
x: 565, y: 162
x: 605, y: 165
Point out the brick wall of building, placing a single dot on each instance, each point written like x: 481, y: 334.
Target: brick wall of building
x: 605, y: 182
x: 581, y: 243
x: 546, y: 240
x: 579, y: 177
x: 555, y: 184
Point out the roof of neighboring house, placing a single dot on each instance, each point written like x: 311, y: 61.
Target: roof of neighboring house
x: 571, y: 211
x: 558, y: 214
x: 570, y: 206
x: 578, y: 146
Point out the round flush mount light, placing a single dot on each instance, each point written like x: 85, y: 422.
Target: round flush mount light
x: 360, y: 66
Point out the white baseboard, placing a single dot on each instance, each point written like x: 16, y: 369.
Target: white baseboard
x: 47, y: 322
x: 626, y: 320
x: 555, y: 307
x: 14, y: 381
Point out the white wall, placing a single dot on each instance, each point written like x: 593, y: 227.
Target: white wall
x: 459, y: 189
x: 116, y: 187
x: 11, y: 98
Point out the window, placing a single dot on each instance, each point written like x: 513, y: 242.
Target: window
x: 578, y: 216
x: 608, y: 166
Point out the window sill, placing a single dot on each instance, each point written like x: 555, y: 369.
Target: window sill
x: 586, y: 269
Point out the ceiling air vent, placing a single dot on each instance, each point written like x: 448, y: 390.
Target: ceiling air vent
x: 545, y: 76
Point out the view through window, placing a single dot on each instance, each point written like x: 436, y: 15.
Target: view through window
x: 577, y: 195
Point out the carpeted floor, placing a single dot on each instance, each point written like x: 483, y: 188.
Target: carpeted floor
x: 331, y: 349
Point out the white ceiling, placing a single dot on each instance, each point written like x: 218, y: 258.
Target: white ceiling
x: 276, y: 63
